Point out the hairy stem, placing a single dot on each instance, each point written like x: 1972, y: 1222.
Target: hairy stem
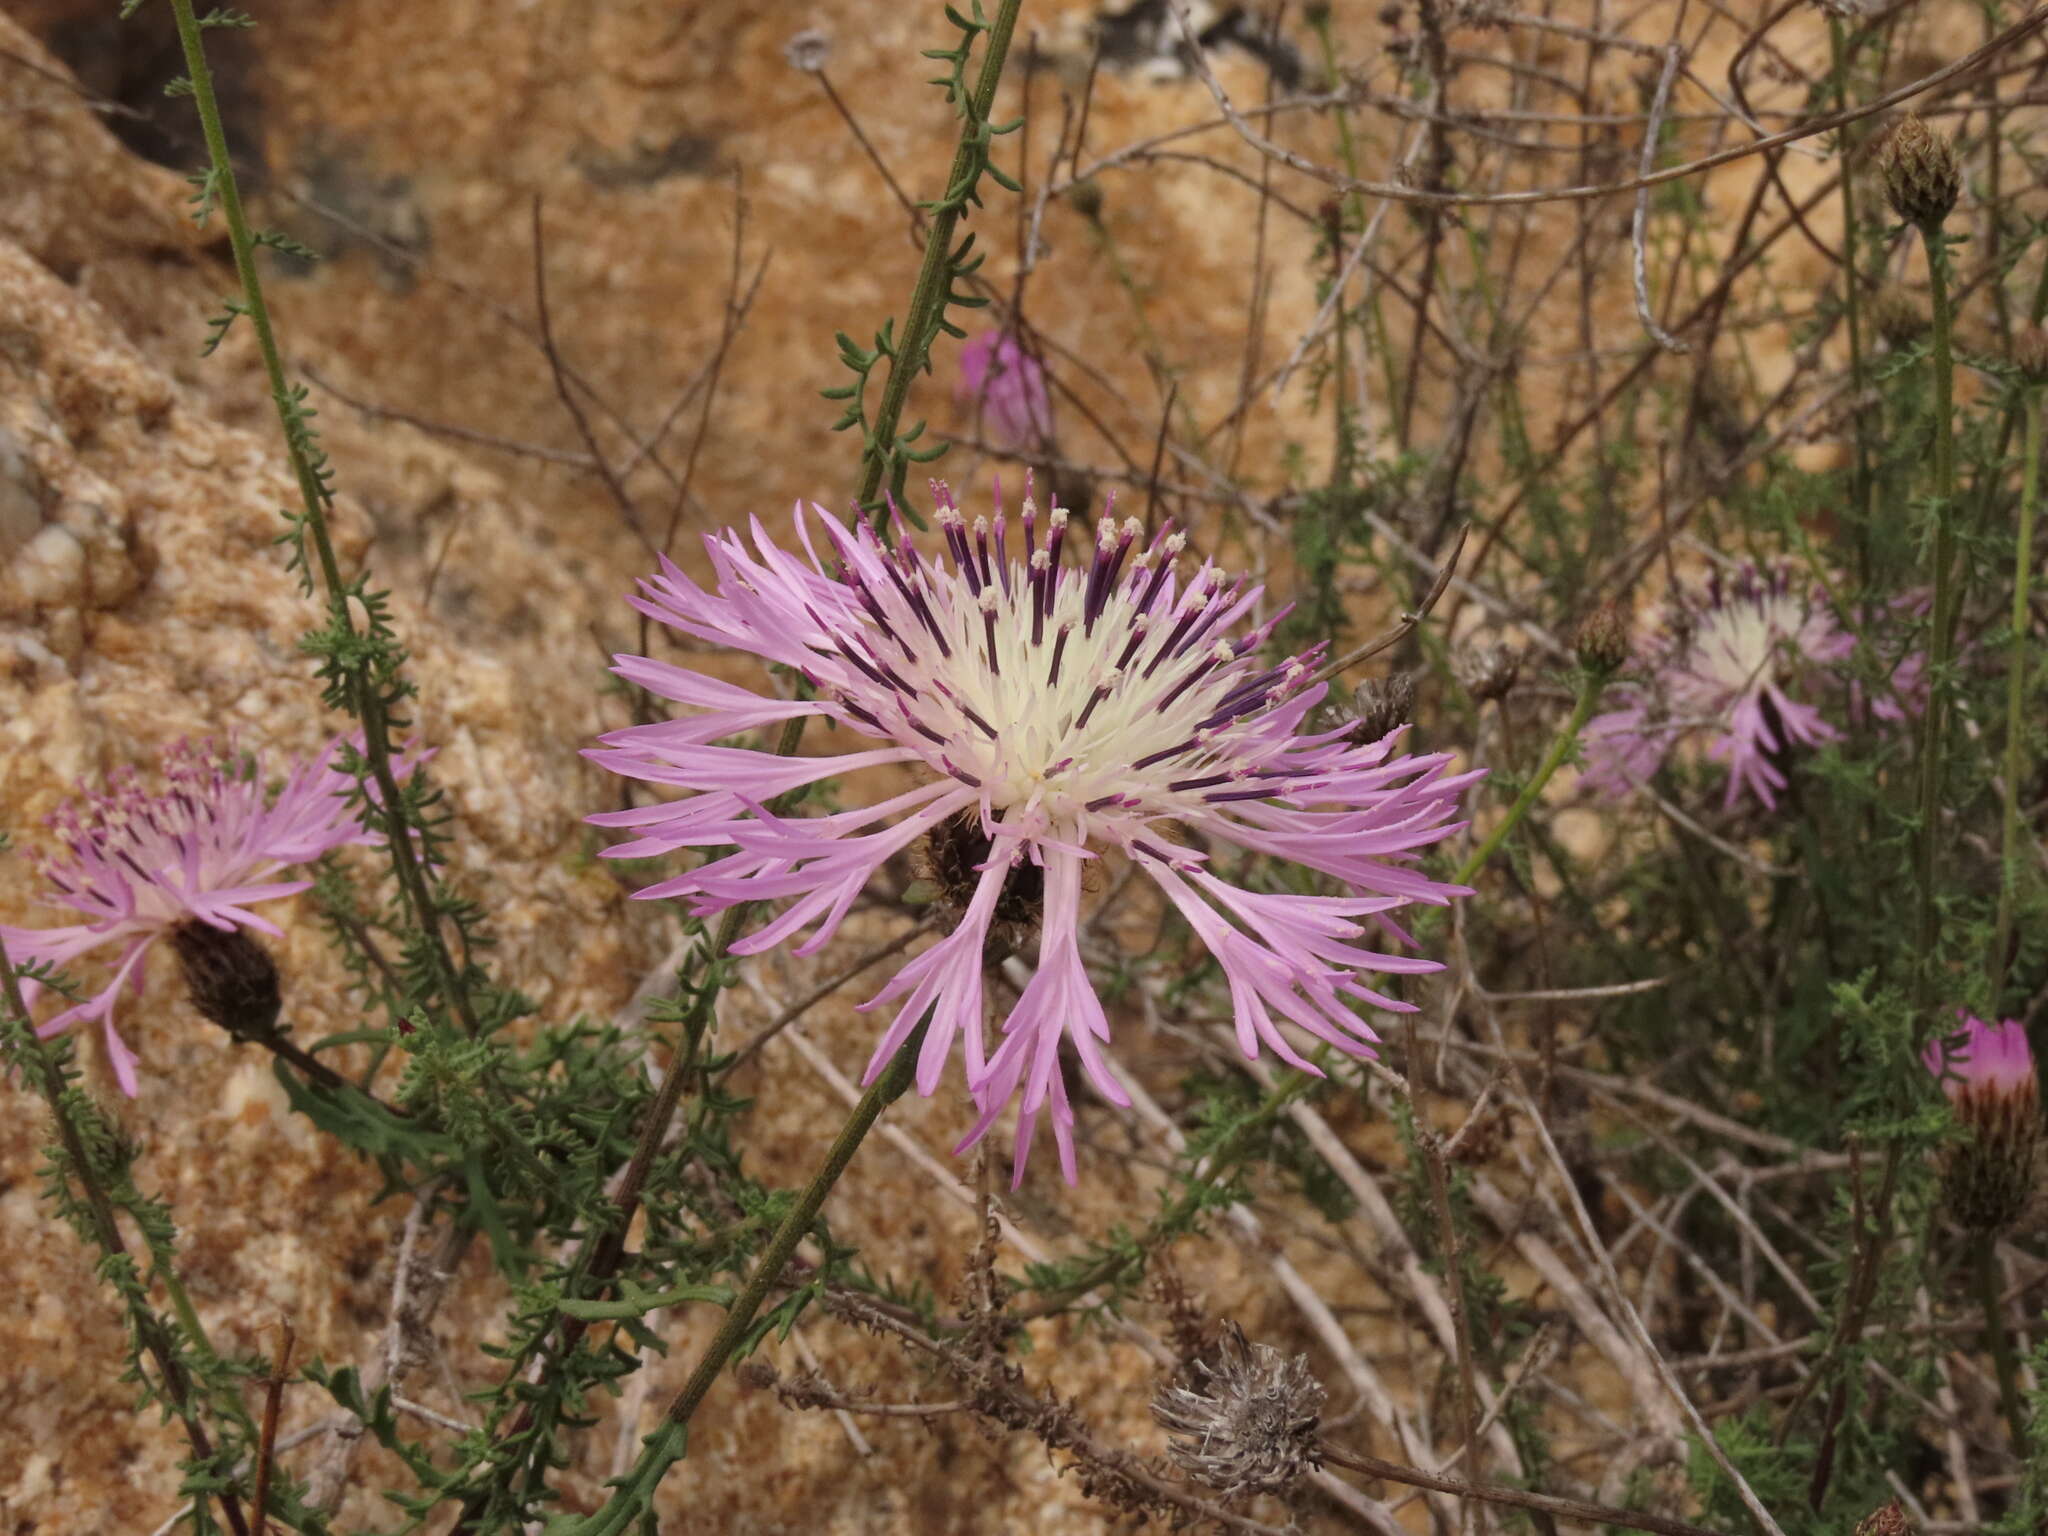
x: 2015, y: 693
x: 150, y: 1330
x: 1933, y: 725
x: 668, y: 1444
x: 928, y: 298
x: 371, y: 706
x: 1590, y: 689
x: 1985, y: 1259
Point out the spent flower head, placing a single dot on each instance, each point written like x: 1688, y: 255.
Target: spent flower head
x: 189, y: 862
x: 809, y: 51
x: 1052, y: 710
x: 1005, y: 386
x: 1987, y: 1071
x: 1736, y: 663
x: 1246, y: 1422
x: 1922, y: 177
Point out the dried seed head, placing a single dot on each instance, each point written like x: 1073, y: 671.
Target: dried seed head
x: 231, y: 977
x: 1488, y: 671
x: 1602, y: 641
x: 1381, y: 705
x: 1887, y: 1519
x: 810, y: 50
x: 1899, y: 315
x: 2030, y: 353
x: 1245, y: 1423
x: 1922, y: 177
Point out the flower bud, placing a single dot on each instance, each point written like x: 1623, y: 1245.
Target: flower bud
x: 2030, y: 353
x: 1899, y: 315
x: 1246, y: 1422
x: 1988, y: 1074
x: 1922, y: 177
x: 1601, y: 644
x: 1488, y: 671
x: 232, y: 979
x: 1382, y: 705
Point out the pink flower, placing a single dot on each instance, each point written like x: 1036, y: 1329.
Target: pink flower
x: 140, y: 866
x: 1982, y: 1060
x: 1051, y: 713
x: 1005, y: 386
x: 1728, y: 667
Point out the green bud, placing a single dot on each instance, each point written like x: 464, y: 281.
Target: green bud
x: 1601, y: 644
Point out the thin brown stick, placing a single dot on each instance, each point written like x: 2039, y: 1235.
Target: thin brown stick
x: 273, y: 1401
x: 1517, y: 1498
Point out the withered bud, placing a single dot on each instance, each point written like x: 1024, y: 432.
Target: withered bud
x: 2030, y: 353
x: 1601, y: 644
x: 1899, y: 315
x: 1888, y: 1519
x: 810, y: 50
x: 1382, y: 704
x: 1488, y: 671
x: 1922, y: 177
x: 1085, y: 198
x: 1246, y: 1422
x: 231, y: 977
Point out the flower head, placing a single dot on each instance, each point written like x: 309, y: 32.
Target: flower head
x: 1247, y: 1422
x: 1922, y: 177
x: 1005, y: 386
x: 1987, y: 1071
x: 1052, y: 711
x: 1729, y: 667
x: 190, y: 863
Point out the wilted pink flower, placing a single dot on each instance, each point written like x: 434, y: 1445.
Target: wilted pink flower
x: 140, y: 866
x: 1053, y: 712
x: 1005, y: 386
x: 1728, y: 668
x: 1988, y: 1073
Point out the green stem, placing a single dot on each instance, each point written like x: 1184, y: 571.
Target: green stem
x: 928, y: 298
x: 668, y: 1444
x: 1935, y: 720
x: 1590, y: 689
x: 2015, y: 692
x: 313, y: 493
x: 1852, y: 288
x: 150, y: 1330
x: 1986, y: 1255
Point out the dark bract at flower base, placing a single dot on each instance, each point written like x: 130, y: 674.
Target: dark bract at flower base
x: 1068, y: 709
x: 1987, y: 1072
x: 144, y: 866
